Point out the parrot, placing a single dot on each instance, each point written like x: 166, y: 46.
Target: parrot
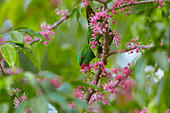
x: 85, y: 56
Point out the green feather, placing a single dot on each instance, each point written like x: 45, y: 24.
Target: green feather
x: 87, y: 53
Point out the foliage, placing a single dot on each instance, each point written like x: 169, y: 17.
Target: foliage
x: 39, y: 46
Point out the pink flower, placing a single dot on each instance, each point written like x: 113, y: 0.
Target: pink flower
x: 45, y: 43
x: 56, y: 82
x: 144, y: 110
x: 167, y: 111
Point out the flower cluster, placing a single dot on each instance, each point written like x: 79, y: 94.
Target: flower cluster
x: 64, y: 13
x: 125, y: 91
x: 161, y: 4
x: 86, y: 2
x: 134, y: 44
x: 18, y: 99
x: 116, y: 37
x: 15, y: 91
x: 120, y: 77
x: 47, y: 32
x: 28, y: 39
x: 144, y: 110
x: 95, y: 67
x: 167, y: 111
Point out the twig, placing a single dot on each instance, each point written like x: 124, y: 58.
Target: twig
x: 2, y: 70
x: 105, y: 56
x: 101, y: 1
x: 60, y: 21
x: 36, y: 40
x: 136, y: 3
x: 17, y: 97
x: 63, y: 18
x: 128, y: 49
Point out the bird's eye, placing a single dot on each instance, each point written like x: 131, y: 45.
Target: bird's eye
x: 82, y: 57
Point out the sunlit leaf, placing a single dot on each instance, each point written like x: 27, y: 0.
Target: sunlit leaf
x: 31, y: 32
x: 9, y: 53
x: 32, y: 58
x: 17, y: 36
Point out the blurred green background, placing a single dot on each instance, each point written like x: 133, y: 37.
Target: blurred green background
x: 147, y: 22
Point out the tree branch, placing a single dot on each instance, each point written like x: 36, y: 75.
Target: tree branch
x: 127, y: 49
x: 136, y: 3
x: 60, y: 21
x: 105, y: 49
x: 101, y: 1
x: 36, y: 40
x: 104, y: 57
x: 2, y: 70
x: 63, y: 18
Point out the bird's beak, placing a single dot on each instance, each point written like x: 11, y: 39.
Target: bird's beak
x: 83, y: 66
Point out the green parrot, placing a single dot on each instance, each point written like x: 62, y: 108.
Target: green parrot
x: 85, y: 56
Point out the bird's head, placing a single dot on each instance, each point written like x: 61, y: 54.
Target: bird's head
x: 81, y: 63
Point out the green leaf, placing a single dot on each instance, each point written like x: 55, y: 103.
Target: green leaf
x: 17, y: 36
x: 73, y: 12
x: 161, y: 58
x: 39, y: 105
x: 21, y: 108
x: 78, y: 82
x: 60, y: 100
x: 47, y: 74
x: 140, y: 72
x: 78, y: 16
x: 66, y: 88
x: 9, y: 53
x: 109, y: 1
x: 159, y: 91
x: 142, y: 7
x: 31, y: 32
x: 4, y: 108
x: 21, y: 44
x: 166, y: 89
x: 32, y: 58
x: 17, y: 60
x: 81, y: 103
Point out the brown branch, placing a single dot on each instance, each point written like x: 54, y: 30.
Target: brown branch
x: 106, y: 54
x: 105, y: 49
x: 101, y: 1
x: 2, y: 70
x: 128, y: 49
x: 136, y: 3
x: 63, y: 18
x: 36, y: 40
x: 17, y: 97
x: 60, y: 21
x: 5, y: 76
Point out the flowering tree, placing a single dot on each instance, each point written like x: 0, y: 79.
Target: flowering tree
x: 39, y: 68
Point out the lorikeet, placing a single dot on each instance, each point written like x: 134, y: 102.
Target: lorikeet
x: 85, y: 56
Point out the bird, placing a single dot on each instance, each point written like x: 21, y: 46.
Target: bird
x: 85, y: 56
